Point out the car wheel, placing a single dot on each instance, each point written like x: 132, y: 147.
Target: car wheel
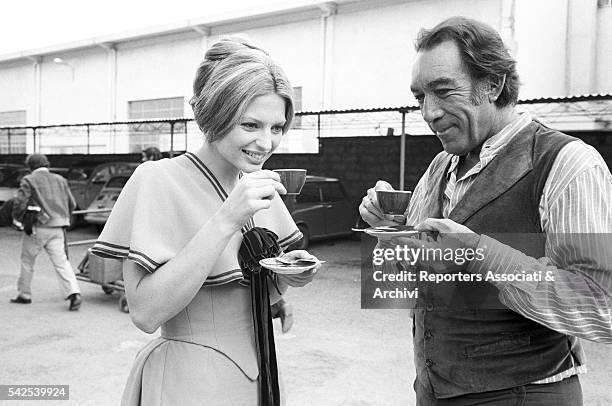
x: 305, y: 241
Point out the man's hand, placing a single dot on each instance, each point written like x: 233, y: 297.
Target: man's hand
x: 370, y: 210
x: 448, y: 230
x: 439, y: 236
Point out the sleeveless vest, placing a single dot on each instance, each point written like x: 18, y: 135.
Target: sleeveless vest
x: 465, y: 339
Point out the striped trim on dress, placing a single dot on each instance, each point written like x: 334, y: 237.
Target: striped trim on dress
x: 215, y: 184
x: 108, y: 250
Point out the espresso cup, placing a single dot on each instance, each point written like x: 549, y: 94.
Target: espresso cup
x: 292, y: 179
x: 394, y: 202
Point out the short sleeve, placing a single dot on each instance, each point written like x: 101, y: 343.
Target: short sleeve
x: 138, y: 225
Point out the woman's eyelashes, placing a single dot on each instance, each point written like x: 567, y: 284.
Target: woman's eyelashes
x: 249, y: 125
x: 252, y: 126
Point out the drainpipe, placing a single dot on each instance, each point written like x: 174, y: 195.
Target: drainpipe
x: 37, y: 99
x: 37, y: 88
x: 112, y: 79
x: 508, y: 31
x: 112, y: 89
x: 205, y: 33
x: 327, y: 11
x: 568, y: 48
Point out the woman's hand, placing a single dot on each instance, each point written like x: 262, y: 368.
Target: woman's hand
x: 370, y: 210
x: 253, y: 192
x: 301, y: 279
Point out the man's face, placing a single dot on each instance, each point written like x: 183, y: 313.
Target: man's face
x: 459, y: 115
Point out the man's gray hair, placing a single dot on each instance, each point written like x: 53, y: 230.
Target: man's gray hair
x: 35, y: 161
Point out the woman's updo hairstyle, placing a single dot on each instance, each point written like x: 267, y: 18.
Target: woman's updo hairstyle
x: 233, y: 73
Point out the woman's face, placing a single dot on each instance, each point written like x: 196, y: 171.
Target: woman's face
x: 256, y: 135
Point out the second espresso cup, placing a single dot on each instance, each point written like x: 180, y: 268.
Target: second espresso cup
x: 394, y: 202
x: 292, y: 179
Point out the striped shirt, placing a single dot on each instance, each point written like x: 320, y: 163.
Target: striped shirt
x: 576, y: 200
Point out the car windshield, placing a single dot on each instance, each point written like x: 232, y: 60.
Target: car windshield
x: 117, y: 181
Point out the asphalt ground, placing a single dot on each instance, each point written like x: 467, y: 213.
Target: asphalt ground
x: 336, y: 354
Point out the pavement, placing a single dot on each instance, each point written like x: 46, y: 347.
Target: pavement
x: 336, y: 354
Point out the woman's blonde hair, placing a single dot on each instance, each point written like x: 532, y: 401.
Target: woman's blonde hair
x: 233, y: 73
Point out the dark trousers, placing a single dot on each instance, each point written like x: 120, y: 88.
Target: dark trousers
x: 567, y: 392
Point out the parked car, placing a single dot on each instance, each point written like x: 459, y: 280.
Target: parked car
x: 321, y: 210
x: 87, y: 180
x: 105, y: 200
x: 10, y: 176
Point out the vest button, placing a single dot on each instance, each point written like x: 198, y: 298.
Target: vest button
x: 428, y: 334
x: 429, y: 307
x: 428, y: 362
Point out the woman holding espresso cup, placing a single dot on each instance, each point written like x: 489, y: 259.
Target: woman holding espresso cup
x: 187, y: 267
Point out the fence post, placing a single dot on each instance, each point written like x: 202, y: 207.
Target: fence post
x: 319, y: 130
x: 9, y: 140
x: 34, y: 138
x: 87, y: 139
x: 403, y: 151
x: 185, y: 127
x: 171, y: 139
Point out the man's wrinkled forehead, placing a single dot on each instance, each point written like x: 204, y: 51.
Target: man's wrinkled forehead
x: 432, y: 84
x: 440, y: 65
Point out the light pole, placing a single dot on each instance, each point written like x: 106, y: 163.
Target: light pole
x: 62, y: 62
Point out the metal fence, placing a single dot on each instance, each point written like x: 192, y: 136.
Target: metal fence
x: 584, y: 113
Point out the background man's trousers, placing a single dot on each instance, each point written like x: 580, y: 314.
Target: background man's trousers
x: 52, y: 240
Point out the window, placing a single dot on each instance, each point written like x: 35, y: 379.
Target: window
x: 332, y: 192
x: 146, y: 135
x: 12, y: 141
x: 117, y: 181
x: 310, y: 194
x: 297, y: 106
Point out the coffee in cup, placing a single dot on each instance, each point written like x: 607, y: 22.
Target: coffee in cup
x: 393, y: 202
x: 292, y: 179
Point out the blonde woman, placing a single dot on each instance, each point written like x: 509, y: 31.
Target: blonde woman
x: 179, y: 224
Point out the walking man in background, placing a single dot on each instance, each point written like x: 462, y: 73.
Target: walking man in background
x: 532, y: 200
x: 50, y: 193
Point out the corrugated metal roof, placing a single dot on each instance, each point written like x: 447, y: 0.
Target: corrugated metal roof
x: 539, y: 100
x: 550, y: 99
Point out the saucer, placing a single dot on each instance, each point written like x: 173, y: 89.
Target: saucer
x: 391, y: 231
x: 285, y: 269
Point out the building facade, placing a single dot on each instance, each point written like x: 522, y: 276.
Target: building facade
x: 339, y: 54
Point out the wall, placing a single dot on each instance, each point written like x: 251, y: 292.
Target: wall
x: 604, y: 50
x: 374, y: 49
x: 541, y: 51
x: 17, y: 88
x: 295, y: 47
x: 84, y: 99
x: 370, y: 58
x: 157, y: 68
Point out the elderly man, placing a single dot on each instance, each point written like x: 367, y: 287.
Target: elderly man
x: 521, y: 194
x: 50, y: 193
